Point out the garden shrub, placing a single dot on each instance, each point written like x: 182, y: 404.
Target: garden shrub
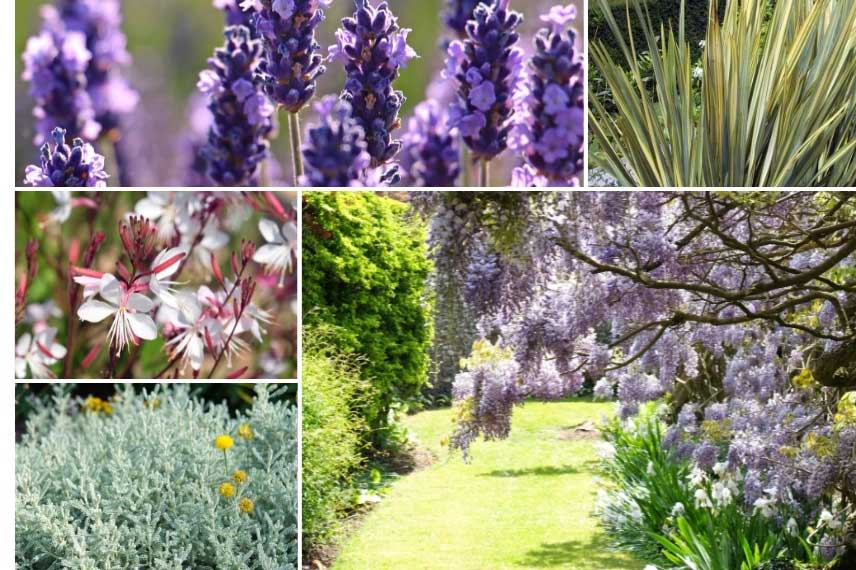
x: 366, y: 266
x: 665, y: 12
x: 137, y: 482
x: 332, y: 432
x: 662, y: 509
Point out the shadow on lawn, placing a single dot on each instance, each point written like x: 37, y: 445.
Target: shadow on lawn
x: 550, y: 471
x: 595, y: 554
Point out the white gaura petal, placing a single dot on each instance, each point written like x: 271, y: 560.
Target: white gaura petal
x: 270, y: 231
x: 268, y: 254
x: 140, y: 303
x: 214, y: 238
x: 95, y: 311
x: 148, y: 208
x: 57, y: 350
x: 23, y: 345
x: 143, y: 326
x: 166, y: 255
x: 189, y: 306
x: 110, y: 289
x: 20, y: 367
x: 195, y: 352
x: 289, y: 232
x: 62, y: 197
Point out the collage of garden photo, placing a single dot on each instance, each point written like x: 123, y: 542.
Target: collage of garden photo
x: 432, y: 285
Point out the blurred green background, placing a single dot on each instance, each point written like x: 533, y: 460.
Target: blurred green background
x: 170, y: 41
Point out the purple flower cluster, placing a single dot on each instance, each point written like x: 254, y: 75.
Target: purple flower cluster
x: 458, y: 13
x: 430, y: 155
x: 65, y: 166
x: 237, y: 15
x: 55, y: 65
x: 100, y: 23
x: 335, y: 153
x: 487, y: 66
x: 550, y: 107
x: 373, y: 49
x: 238, y: 137
x: 292, y: 62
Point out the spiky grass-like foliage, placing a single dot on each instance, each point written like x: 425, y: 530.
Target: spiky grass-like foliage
x: 777, y: 105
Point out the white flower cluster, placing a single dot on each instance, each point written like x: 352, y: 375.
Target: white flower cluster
x: 136, y: 484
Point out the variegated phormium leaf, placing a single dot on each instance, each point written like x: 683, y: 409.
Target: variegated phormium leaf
x: 776, y: 108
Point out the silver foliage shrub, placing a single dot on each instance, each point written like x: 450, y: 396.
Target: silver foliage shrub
x: 139, y: 488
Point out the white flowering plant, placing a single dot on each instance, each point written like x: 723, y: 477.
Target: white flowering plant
x: 157, y: 479
x: 156, y: 285
x: 670, y: 512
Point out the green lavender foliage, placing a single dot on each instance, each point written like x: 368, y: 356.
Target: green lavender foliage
x: 139, y: 488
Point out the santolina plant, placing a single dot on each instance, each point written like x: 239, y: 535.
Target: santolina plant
x: 156, y: 274
x: 157, y: 479
x: 491, y: 107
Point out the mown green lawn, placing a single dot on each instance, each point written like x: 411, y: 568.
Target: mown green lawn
x: 522, y: 503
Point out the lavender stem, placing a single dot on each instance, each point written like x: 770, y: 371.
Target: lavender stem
x: 296, y: 150
x: 484, y: 173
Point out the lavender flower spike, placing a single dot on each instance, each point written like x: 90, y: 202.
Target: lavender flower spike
x: 292, y: 61
x: 430, y: 156
x: 373, y: 49
x: 63, y: 165
x: 238, y: 137
x: 100, y: 23
x: 549, y: 113
x: 55, y: 65
x: 487, y: 67
x: 237, y: 15
x: 335, y: 152
x: 458, y: 13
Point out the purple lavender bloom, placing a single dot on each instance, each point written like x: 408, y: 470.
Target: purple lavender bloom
x: 64, y: 166
x: 487, y: 67
x: 458, y: 13
x: 430, y: 155
x: 549, y: 126
x: 55, y: 65
x: 100, y: 22
x: 238, y: 137
x: 335, y: 152
x: 373, y: 49
x: 237, y: 14
x: 292, y: 62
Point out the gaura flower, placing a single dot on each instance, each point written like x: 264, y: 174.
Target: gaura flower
x: 246, y: 505
x: 37, y: 353
x: 239, y: 476
x: 128, y: 309
x: 278, y: 252
x: 164, y: 266
x: 223, y: 442
x: 227, y: 490
x: 245, y: 431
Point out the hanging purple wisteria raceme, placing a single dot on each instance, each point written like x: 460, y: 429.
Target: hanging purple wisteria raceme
x: 550, y: 107
x: 63, y: 165
x: 487, y: 66
x: 238, y: 137
x: 335, y: 152
x: 373, y: 50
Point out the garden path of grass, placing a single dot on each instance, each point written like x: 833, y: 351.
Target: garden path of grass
x: 525, y: 502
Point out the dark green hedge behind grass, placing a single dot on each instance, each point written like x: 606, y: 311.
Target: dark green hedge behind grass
x: 665, y: 11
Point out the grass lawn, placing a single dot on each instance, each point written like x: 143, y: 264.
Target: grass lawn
x: 522, y: 503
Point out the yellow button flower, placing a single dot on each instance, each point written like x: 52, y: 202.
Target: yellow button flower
x: 223, y: 442
x: 246, y: 505
x: 239, y: 476
x: 245, y: 431
x: 227, y: 490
